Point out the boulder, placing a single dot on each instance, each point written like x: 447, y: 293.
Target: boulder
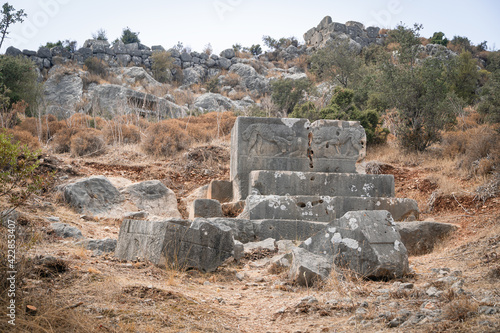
x: 153, y: 197
x: 177, y: 243
x: 420, y: 237
x: 65, y: 230
x: 135, y: 75
x: 224, y: 63
x: 228, y: 54
x: 93, y: 196
x: 250, y: 79
x: 115, y: 99
x: 366, y: 242
x: 268, y: 244
x: 205, y: 208
x: 62, y: 93
x: 193, y: 75
x: 186, y: 57
x: 44, y: 52
x: 99, y: 246
x: 213, y: 102
x: 12, y: 51
x: 309, y: 268
x: 241, y: 229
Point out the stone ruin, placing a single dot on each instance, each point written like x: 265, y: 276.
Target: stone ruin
x: 296, y: 181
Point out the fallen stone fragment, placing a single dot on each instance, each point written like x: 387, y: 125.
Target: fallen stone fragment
x: 65, y: 230
x: 309, y: 268
x: 420, y: 237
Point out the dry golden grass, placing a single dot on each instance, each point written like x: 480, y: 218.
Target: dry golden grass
x: 166, y: 138
x: 88, y: 142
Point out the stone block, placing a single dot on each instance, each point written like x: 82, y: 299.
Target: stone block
x: 293, y: 145
x: 366, y: 242
x: 420, y: 237
x: 220, y: 190
x: 178, y: 243
x: 286, y: 229
x: 320, y: 183
x: 205, y: 208
x: 242, y: 229
x: 309, y: 268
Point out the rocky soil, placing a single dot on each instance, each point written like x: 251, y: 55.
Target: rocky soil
x: 453, y: 289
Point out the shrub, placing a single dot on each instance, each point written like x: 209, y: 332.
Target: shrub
x: 287, y: 93
x: 18, y: 75
x: 62, y: 140
x: 128, y: 36
x: 212, y: 85
x: 96, y: 66
x: 44, y: 128
x: 306, y: 110
x: 88, y: 142
x: 165, y: 138
x: 24, y: 138
x: 122, y: 133
x: 232, y: 79
x: 162, y: 66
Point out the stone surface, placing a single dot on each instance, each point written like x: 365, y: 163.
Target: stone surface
x: 292, y: 145
x: 62, y: 92
x: 205, y: 208
x: 309, y: 268
x: 242, y: 229
x: 213, y: 102
x: 318, y: 183
x: 366, y: 242
x: 65, y: 230
x: 99, y: 245
x: 323, y: 208
x: 94, y: 195
x: 199, y: 193
x: 153, y: 197
x: 269, y: 244
x: 220, y: 190
x: 420, y: 237
x: 286, y: 229
x: 178, y: 243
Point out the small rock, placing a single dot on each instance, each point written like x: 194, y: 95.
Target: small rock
x: 53, y: 219
x: 65, y: 230
x: 406, y: 286
x: 488, y: 310
x: 308, y: 300
x: 136, y: 215
x: 432, y: 291
x: 240, y: 276
x: 395, y: 322
x: 206, y: 283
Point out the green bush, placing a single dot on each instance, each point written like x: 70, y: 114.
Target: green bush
x: 18, y: 172
x: 287, y: 93
x: 128, y: 36
x: 306, y: 110
x: 19, y: 78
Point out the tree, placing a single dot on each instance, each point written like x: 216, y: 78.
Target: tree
x: 9, y: 16
x: 100, y: 35
x: 255, y: 49
x: 409, y: 42
x: 128, y: 36
x: 286, y: 93
x: 489, y: 105
x: 438, y: 38
x: 19, y: 76
x: 338, y: 61
x: 465, y: 77
x: 162, y: 65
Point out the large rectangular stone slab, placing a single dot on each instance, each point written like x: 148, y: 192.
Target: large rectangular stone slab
x: 323, y: 208
x: 320, y: 183
x: 178, y: 243
x: 290, y: 144
x: 286, y: 229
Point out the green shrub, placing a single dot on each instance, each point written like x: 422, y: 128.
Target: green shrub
x: 128, y: 36
x: 306, y: 110
x: 18, y: 75
x: 287, y: 93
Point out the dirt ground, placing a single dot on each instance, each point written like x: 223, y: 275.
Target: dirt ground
x: 103, y: 294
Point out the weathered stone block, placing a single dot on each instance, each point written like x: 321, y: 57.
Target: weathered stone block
x: 154, y: 197
x: 178, y: 243
x: 309, y: 268
x: 286, y: 229
x: 319, y: 183
x: 293, y: 145
x: 366, y: 242
x: 220, y: 190
x: 205, y: 208
x: 420, y: 237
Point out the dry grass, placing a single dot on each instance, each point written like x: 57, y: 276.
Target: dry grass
x: 24, y: 138
x: 166, y: 138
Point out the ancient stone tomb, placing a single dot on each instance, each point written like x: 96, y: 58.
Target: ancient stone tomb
x: 296, y: 180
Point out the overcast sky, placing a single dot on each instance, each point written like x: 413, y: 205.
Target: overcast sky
x: 223, y: 23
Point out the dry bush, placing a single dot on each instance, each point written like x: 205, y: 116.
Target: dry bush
x: 392, y: 46
x: 166, y: 138
x: 44, y: 128
x: 24, y: 138
x: 88, y: 142
x: 121, y: 133
x: 232, y: 79
x: 210, y: 125
x: 460, y: 310
x: 301, y: 62
x: 62, y: 140
x: 183, y: 97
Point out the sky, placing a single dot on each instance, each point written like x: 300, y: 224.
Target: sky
x: 223, y: 23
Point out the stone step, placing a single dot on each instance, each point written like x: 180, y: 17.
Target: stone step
x: 323, y: 208
x: 263, y: 182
